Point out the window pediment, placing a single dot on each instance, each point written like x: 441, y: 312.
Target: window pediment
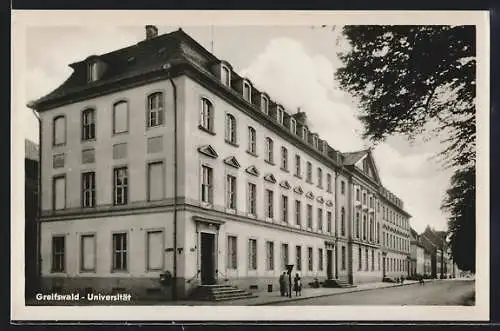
x: 320, y: 199
x: 252, y: 170
x: 285, y: 184
x: 270, y: 178
x: 310, y: 195
x: 231, y: 161
x: 208, y: 151
x: 298, y: 190
x: 329, y: 203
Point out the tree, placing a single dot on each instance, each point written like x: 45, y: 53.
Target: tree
x: 414, y: 80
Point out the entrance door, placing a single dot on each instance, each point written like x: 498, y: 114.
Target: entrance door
x: 329, y: 269
x: 207, y: 258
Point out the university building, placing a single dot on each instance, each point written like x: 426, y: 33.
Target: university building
x: 159, y: 159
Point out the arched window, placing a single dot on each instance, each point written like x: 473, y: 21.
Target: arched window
x: 269, y: 150
x: 247, y: 92
x: 120, y: 117
x: 252, y: 140
x: 226, y: 76
x: 264, y: 105
x: 357, y: 224
x: 206, y: 115
x: 155, y: 109
x: 364, y: 227
x: 230, y: 129
x: 59, y: 131
x: 342, y: 221
x: 293, y: 126
x: 88, y: 124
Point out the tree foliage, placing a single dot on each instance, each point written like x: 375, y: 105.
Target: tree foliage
x: 413, y: 80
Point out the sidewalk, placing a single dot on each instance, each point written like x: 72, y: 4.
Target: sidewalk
x: 268, y: 298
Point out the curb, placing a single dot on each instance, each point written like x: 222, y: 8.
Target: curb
x: 330, y: 294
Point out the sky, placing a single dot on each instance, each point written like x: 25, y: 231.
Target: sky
x: 295, y: 65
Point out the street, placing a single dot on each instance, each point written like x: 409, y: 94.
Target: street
x: 444, y: 292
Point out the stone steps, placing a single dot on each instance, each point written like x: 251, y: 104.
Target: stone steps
x: 219, y: 293
x: 337, y: 283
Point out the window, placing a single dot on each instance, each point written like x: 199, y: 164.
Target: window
x: 284, y: 209
x: 226, y: 76
x: 155, y: 181
x: 320, y: 259
x: 366, y: 261
x: 358, y: 224
x: 320, y: 177
x: 279, y: 115
x: 120, y: 117
x: 58, y: 254
x: 284, y: 158
x: 264, y: 105
x: 310, y: 258
x: 87, y: 252
x: 88, y: 124
x: 293, y: 126
x: 304, y: 133
x: 343, y: 258
x: 206, y: 115
x: 342, y: 187
x: 298, y: 257
x: 247, y: 92
x: 329, y: 221
x: 252, y: 140
x: 284, y: 256
x: 269, y: 150
x: 252, y: 254
x: 119, y: 251
x: 88, y: 189
x: 342, y: 222
x: 371, y: 229
x: 59, y: 192
x: 357, y: 195
x: 155, y: 250
x: 92, y: 71
x: 297, y: 165
x: 320, y: 219
x: 230, y: 129
x: 378, y: 233
x: 309, y: 172
x: 270, y: 203
x: 120, y: 187
x: 155, y: 109
x: 378, y: 260
x: 364, y: 227
x: 59, y: 131
x: 309, y: 216
x: 360, y: 259
x: 231, y: 192
x: 232, y: 252
x: 252, y: 199
x: 206, y: 184
x: 297, y: 212
x: 373, y: 260
x: 270, y: 255
x: 329, y: 182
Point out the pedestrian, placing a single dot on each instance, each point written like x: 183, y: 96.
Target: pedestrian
x: 402, y: 279
x: 282, y: 284
x: 297, y: 285
x: 286, y: 284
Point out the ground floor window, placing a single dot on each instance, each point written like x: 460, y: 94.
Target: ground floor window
x: 284, y: 256
x: 232, y: 256
x: 343, y: 258
x: 298, y: 257
x: 252, y: 254
x: 58, y: 254
x: 119, y: 251
x: 270, y: 255
x: 320, y: 259
x: 88, y: 253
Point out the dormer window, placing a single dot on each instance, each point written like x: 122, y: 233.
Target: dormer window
x: 323, y: 146
x: 304, y: 133
x: 226, y: 76
x: 293, y: 126
x: 315, y: 141
x: 264, y: 105
x: 92, y: 71
x: 247, y: 92
x: 279, y: 114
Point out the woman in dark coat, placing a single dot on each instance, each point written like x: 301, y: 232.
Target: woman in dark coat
x: 297, y: 286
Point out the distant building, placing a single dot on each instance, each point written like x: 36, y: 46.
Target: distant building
x: 417, y: 256
x: 247, y: 190
x: 31, y: 172
x: 435, y: 243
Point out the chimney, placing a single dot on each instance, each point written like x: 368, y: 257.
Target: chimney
x: 151, y: 32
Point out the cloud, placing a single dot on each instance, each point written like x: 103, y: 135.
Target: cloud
x: 295, y: 78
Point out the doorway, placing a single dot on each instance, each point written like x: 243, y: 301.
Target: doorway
x: 329, y: 269
x: 383, y: 267
x: 207, y: 248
